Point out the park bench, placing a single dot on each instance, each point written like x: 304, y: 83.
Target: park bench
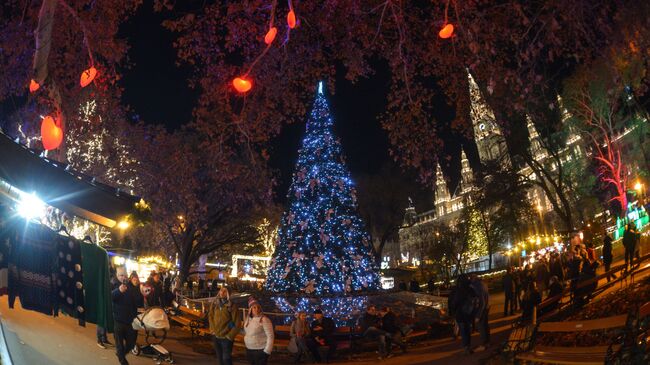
x: 642, y: 333
x: 358, y: 342
x: 282, y: 337
x: 347, y: 338
x: 194, y: 320
x: 574, y: 355
x: 518, y: 341
x: 543, y: 310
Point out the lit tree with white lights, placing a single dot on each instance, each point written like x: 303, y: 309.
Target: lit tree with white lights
x: 323, y: 246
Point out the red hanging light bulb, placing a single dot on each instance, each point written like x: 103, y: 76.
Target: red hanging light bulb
x: 270, y: 35
x: 87, y: 76
x: 447, y: 31
x: 33, y: 86
x: 242, y: 84
x: 51, y: 134
x: 291, y: 19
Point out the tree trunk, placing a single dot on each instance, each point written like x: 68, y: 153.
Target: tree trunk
x: 43, y: 41
x: 554, y: 194
x: 185, y: 258
x: 43, y: 36
x: 182, y: 273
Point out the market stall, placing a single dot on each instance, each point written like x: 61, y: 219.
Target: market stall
x: 49, y: 269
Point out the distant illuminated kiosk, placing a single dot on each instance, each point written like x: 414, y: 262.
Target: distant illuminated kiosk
x: 235, y: 258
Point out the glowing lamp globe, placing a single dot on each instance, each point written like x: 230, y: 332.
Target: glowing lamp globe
x: 51, y: 134
x: 87, y: 76
x: 638, y: 186
x: 447, y: 31
x: 270, y: 35
x: 291, y: 19
x: 242, y: 85
x: 33, y: 86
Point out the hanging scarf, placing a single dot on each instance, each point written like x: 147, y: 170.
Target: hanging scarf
x: 69, y: 282
x: 96, y: 282
x: 31, y: 269
x: 6, y: 232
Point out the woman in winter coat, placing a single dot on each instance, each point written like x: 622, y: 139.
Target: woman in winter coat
x: 225, y: 322
x: 258, y: 336
x: 299, y: 333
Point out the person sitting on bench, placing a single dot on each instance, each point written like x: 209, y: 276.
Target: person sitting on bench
x: 390, y: 324
x: 371, y: 328
x: 299, y: 333
x: 555, y: 289
x: 322, y: 335
x: 531, y: 299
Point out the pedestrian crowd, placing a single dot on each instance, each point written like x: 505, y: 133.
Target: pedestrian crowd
x: 545, y: 276
x: 574, y: 268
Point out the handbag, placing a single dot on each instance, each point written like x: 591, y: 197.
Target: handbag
x: 293, y: 346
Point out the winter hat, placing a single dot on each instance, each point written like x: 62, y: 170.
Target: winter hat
x: 252, y: 302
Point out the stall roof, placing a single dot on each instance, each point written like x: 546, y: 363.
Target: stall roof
x: 61, y: 187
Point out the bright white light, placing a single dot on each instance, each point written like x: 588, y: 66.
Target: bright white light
x: 387, y: 282
x: 215, y: 265
x: 30, y: 206
x: 123, y: 224
x: 638, y: 186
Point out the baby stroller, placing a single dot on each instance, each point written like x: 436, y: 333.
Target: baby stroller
x: 152, y: 320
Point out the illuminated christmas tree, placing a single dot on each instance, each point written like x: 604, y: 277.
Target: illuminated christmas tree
x: 323, y: 246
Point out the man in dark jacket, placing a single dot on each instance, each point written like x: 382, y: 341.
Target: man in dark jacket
x: 482, y: 312
x: 629, y: 243
x: 322, y: 334
x: 509, y: 292
x: 414, y: 286
x: 556, y: 266
x: 516, y: 278
x: 390, y: 324
x: 371, y: 328
x: 554, y: 289
x: 607, y: 254
x: 157, y: 294
x: 126, y: 301
x: 464, y: 306
x: 431, y: 285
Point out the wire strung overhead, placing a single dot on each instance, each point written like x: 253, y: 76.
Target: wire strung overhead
x: 244, y: 83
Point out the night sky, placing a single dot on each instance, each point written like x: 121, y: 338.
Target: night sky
x: 156, y: 91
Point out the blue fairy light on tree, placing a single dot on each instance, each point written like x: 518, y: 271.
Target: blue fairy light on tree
x: 323, y: 246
